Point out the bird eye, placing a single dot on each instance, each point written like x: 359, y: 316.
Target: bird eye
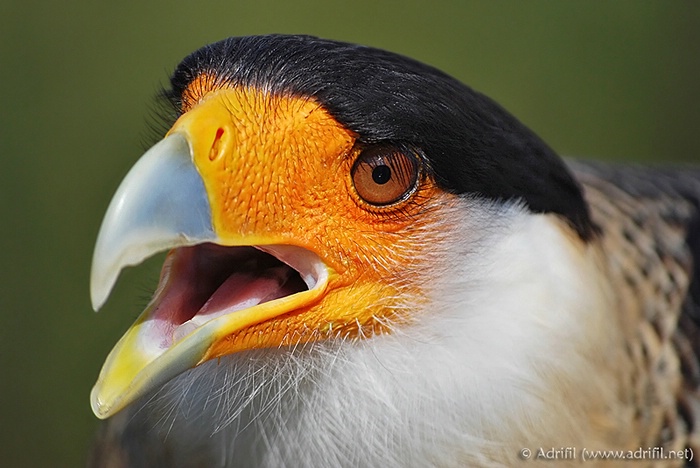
x: 385, y: 175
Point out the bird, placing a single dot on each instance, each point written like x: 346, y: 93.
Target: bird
x: 369, y: 263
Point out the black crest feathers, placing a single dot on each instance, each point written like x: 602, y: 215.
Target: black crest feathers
x: 471, y: 144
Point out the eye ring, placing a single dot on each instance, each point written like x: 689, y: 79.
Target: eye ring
x: 384, y: 175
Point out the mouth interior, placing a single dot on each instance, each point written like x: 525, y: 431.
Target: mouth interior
x: 203, y: 282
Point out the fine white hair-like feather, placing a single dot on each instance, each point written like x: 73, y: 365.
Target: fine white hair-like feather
x: 508, y: 346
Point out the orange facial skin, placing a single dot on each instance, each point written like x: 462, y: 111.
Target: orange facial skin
x: 277, y: 170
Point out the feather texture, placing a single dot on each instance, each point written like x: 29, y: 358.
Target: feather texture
x: 530, y: 338
x: 540, y: 307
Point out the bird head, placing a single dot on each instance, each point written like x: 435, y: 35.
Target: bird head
x: 302, y: 192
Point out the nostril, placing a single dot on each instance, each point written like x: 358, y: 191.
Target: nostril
x: 216, y: 145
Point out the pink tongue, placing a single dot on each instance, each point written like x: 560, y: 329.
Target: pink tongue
x: 242, y: 290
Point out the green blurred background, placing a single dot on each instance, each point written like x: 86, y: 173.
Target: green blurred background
x: 611, y: 80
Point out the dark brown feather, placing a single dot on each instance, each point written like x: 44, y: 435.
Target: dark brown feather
x: 648, y: 223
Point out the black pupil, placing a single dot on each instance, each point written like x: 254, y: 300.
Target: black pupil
x: 381, y: 174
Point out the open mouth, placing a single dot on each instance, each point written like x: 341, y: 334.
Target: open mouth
x: 207, y: 292
x: 222, y: 290
x: 203, y: 282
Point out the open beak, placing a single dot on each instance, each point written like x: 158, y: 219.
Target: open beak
x: 212, y: 285
x: 269, y: 243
